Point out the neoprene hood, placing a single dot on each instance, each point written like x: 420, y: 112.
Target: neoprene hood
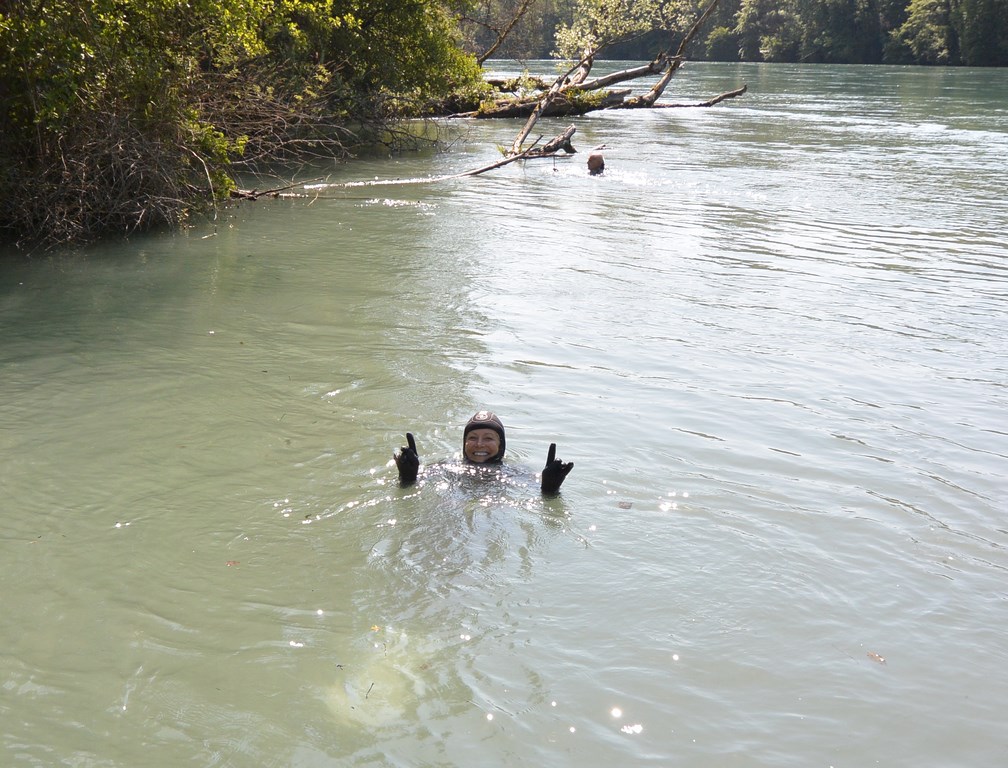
x: 486, y: 420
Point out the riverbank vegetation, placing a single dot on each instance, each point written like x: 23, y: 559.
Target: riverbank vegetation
x: 124, y: 115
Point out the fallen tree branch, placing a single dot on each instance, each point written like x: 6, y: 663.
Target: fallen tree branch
x: 651, y: 68
x: 551, y: 147
x: 255, y: 194
x: 716, y: 100
x: 509, y: 159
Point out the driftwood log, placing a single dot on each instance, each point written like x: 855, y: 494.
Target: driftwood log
x: 561, y: 106
x: 554, y: 145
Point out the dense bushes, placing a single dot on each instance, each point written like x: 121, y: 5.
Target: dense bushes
x: 127, y: 114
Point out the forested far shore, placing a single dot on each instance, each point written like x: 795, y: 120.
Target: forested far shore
x: 926, y: 32
x: 126, y: 115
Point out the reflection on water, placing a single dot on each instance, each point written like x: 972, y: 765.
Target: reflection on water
x: 771, y: 337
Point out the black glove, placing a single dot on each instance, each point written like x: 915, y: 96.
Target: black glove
x: 408, y: 461
x: 555, y: 472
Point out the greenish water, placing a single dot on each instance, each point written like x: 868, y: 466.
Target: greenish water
x: 772, y: 338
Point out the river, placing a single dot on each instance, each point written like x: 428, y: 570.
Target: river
x: 772, y: 337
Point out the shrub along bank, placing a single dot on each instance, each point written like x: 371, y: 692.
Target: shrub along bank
x: 124, y: 115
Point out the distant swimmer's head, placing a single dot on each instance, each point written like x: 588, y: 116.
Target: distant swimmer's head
x: 483, y: 438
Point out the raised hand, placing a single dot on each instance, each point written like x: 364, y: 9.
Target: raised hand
x: 407, y: 461
x: 555, y: 472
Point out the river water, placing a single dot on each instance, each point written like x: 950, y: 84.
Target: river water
x: 772, y: 337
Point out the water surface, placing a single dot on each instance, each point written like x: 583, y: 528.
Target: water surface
x: 772, y: 338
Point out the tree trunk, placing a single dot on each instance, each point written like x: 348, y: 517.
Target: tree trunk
x: 560, y: 106
x: 652, y: 68
x: 581, y: 73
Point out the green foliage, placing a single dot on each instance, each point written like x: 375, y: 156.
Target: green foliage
x: 871, y: 31
x: 756, y: 20
x: 983, y: 32
x: 127, y: 114
x: 106, y: 130
x: 584, y: 101
x: 386, y: 58
x: 927, y: 32
x: 722, y: 45
x: 841, y: 31
x: 600, y: 23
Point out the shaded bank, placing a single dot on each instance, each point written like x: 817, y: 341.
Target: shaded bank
x: 122, y: 117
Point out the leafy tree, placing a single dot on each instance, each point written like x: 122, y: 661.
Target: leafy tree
x: 722, y: 42
x: 927, y: 32
x: 722, y: 45
x: 406, y: 51
x: 841, y: 31
x: 597, y: 24
x: 983, y: 32
x: 768, y: 30
x: 516, y: 29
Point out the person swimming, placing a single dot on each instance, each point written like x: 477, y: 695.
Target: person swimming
x: 483, y: 442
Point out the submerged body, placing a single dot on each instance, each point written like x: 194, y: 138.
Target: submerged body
x: 483, y: 444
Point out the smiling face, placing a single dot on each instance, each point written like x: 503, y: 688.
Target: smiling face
x: 481, y: 445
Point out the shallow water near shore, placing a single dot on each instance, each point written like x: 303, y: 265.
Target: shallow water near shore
x: 773, y: 337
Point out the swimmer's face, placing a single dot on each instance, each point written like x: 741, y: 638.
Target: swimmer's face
x: 481, y: 445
